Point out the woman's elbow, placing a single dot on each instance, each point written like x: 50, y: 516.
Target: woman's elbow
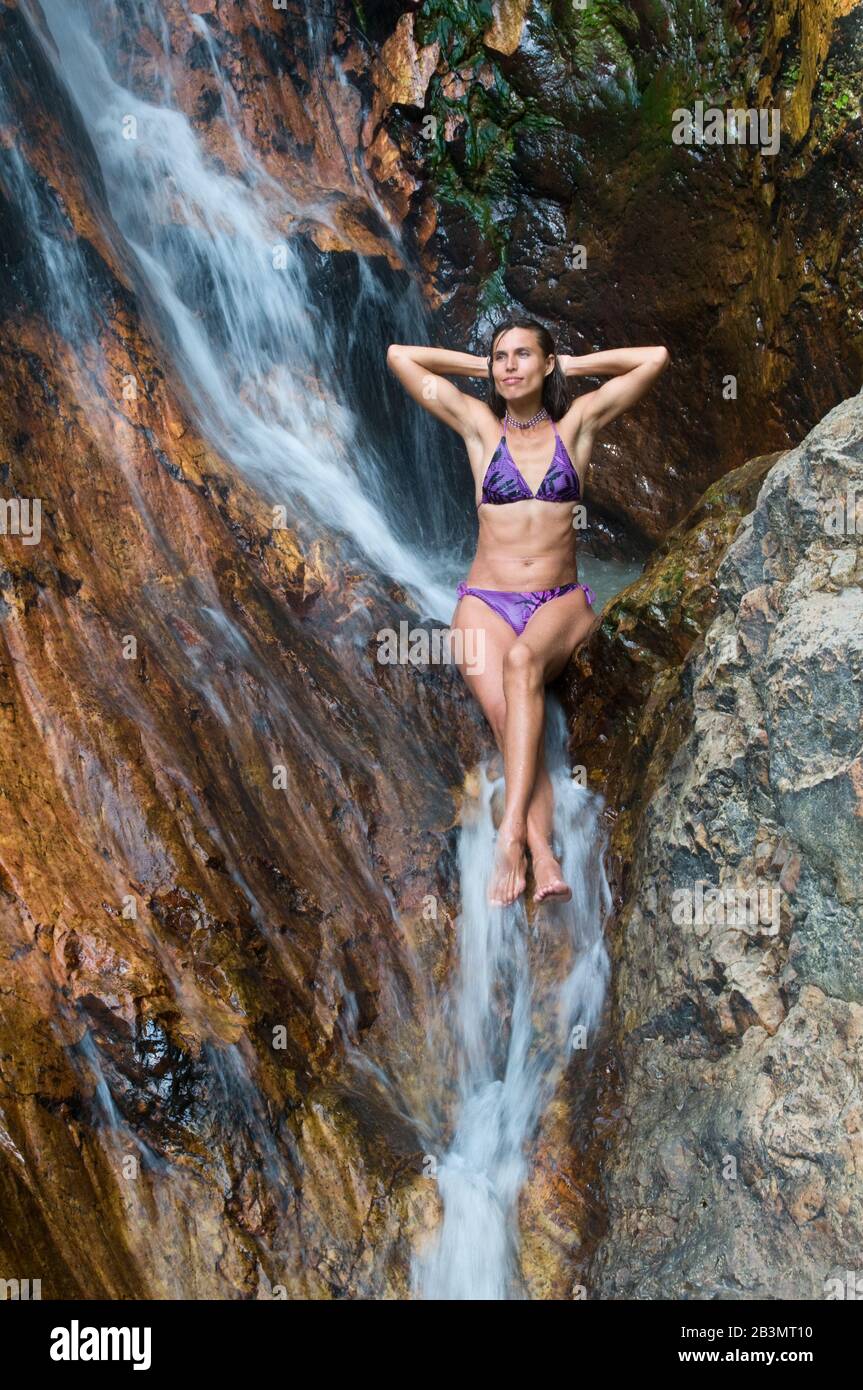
x: 661, y: 357
x: 394, y: 351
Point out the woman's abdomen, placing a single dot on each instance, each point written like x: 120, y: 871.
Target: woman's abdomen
x: 531, y: 550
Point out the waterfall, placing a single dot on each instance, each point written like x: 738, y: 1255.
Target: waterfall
x: 515, y: 1026
x: 227, y: 294
x: 267, y: 370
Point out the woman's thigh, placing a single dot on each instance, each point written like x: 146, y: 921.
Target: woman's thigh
x: 486, y: 632
x: 556, y: 629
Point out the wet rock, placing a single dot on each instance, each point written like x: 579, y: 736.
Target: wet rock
x: 206, y: 977
x: 737, y: 1014
x: 718, y: 251
x: 220, y: 838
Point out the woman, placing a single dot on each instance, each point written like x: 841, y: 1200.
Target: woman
x: 523, y: 589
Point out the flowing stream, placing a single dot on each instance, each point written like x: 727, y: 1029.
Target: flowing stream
x: 525, y: 999
x: 228, y: 298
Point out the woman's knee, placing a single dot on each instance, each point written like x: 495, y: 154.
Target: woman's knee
x: 522, y: 663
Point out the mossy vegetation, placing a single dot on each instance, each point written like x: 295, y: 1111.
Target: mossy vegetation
x: 471, y: 170
x: 838, y: 99
x: 457, y: 25
x: 601, y: 31
x: 598, y: 45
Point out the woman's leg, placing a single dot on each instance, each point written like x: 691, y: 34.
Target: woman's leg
x: 486, y: 686
x: 547, y: 873
x: 535, y: 658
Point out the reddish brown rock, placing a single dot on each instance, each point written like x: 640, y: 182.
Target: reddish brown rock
x: 190, y: 952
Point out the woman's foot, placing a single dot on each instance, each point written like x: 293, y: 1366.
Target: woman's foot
x: 548, y: 878
x: 509, y: 877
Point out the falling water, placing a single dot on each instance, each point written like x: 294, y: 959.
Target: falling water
x: 515, y: 1026
x: 229, y: 296
x: 247, y: 342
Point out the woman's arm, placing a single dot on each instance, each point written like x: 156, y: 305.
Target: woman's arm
x: 611, y: 363
x: 634, y: 372
x: 419, y: 369
x: 444, y: 361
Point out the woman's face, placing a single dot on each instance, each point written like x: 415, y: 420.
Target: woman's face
x: 518, y: 366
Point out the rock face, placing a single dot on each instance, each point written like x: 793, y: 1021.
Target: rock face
x: 546, y: 176
x: 214, y: 856
x: 217, y: 855
x: 734, y: 1167
x: 227, y: 831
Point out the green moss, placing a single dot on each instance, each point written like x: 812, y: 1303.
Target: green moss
x: 844, y: 103
x: 663, y: 95
x: 600, y: 52
x: 493, y: 297
x: 838, y: 101
x: 601, y: 33
x: 713, y: 494
x: 482, y: 174
x: 457, y: 25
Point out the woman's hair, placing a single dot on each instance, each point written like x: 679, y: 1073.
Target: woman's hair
x: 555, y: 395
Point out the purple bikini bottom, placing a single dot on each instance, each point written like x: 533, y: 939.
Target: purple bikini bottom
x: 519, y: 608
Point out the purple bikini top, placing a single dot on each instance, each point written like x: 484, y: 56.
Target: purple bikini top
x: 503, y: 482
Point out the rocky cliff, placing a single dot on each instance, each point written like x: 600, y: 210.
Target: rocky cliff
x: 537, y: 168
x: 730, y: 1141
x: 216, y: 848
x: 228, y: 832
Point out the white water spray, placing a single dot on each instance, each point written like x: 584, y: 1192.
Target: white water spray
x: 514, y: 1025
x: 226, y: 293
